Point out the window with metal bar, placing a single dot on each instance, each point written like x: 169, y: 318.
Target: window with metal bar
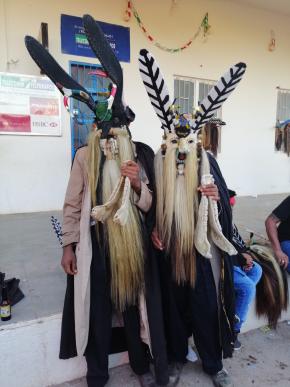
x: 189, y: 92
x: 283, y: 105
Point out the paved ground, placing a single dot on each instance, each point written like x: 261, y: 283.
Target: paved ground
x: 263, y: 361
x: 251, y: 212
x: 30, y: 251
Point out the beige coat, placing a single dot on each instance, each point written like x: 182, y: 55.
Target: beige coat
x: 76, y: 230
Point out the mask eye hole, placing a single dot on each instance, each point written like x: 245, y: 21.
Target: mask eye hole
x: 190, y: 141
x: 174, y: 141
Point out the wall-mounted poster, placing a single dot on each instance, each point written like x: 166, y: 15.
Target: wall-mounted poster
x: 74, y: 40
x: 29, y: 105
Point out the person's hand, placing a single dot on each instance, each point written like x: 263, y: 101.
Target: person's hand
x: 210, y: 190
x: 249, y: 261
x: 69, y: 260
x: 131, y: 170
x: 157, y: 242
x: 281, y: 258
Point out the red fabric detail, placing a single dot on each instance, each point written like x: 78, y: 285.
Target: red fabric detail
x: 14, y: 123
x: 232, y: 201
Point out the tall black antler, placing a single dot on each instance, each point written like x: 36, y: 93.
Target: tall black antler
x: 63, y: 81
x: 156, y: 89
x: 106, y: 56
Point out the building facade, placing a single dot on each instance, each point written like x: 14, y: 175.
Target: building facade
x: 34, y: 170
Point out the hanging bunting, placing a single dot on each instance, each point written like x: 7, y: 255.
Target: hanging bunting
x: 202, y: 29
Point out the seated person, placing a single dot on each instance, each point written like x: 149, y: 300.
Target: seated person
x: 278, y: 231
x: 247, y: 274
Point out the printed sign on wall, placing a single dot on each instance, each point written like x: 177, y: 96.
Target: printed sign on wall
x: 29, y: 105
x: 74, y: 40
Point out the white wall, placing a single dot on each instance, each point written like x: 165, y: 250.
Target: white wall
x: 34, y: 170
x: 32, y: 347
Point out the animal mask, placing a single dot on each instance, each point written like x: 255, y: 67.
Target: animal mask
x: 180, y: 129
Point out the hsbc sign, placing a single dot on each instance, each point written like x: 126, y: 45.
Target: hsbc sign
x: 29, y: 105
x: 43, y: 124
x: 49, y: 124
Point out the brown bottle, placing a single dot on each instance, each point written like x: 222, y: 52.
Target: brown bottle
x: 5, y: 307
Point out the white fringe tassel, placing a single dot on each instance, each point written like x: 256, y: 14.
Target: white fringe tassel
x: 121, y: 216
x: 208, y: 216
x: 102, y: 212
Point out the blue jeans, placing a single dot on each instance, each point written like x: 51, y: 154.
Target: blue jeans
x: 245, y: 289
x: 285, y: 246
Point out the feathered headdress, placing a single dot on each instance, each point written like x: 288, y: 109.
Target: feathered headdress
x: 159, y: 97
x: 108, y: 113
x: 182, y: 125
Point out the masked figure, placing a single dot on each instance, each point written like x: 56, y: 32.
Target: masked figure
x: 210, y: 135
x: 107, y: 222
x: 192, y: 229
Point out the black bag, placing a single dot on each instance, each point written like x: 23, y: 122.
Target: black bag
x: 14, y: 292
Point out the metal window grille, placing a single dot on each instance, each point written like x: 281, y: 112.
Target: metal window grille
x: 283, y: 105
x: 184, y: 92
x: 82, y: 121
x: 189, y: 92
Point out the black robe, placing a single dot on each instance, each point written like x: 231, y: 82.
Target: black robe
x: 145, y: 156
x: 180, y: 302
x: 227, y: 285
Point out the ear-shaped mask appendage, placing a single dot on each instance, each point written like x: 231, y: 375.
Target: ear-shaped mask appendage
x: 64, y: 82
x: 219, y: 94
x: 156, y: 89
x: 105, y: 55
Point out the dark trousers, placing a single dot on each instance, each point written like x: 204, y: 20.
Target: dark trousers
x: 174, y: 304
x: 194, y: 312
x: 100, y: 331
x: 204, y: 317
x: 138, y: 351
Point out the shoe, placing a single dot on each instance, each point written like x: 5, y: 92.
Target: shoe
x: 222, y: 379
x: 191, y: 355
x: 147, y: 380
x: 237, y: 345
x: 175, y: 370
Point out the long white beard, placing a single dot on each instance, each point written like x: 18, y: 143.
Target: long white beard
x: 124, y: 244
x: 111, y: 175
x: 177, y: 202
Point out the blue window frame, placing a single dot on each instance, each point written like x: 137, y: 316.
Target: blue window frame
x: 81, y: 123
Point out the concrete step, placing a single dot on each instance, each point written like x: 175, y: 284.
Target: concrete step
x: 29, y: 355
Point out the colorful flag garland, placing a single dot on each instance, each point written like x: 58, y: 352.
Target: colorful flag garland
x: 203, y: 27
